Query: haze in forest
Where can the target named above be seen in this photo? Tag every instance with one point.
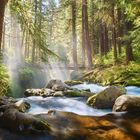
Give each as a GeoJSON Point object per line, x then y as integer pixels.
{"type": "Point", "coordinates": [43, 40]}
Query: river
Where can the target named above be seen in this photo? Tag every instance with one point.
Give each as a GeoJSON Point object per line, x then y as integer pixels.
{"type": "Point", "coordinates": [76, 105]}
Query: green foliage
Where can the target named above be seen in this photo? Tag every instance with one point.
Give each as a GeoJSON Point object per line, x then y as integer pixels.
{"type": "Point", "coordinates": [4, 80]}
{"type": "Point", "coordinates": [26, 74]}
{"type": "Point", "coordinates": [118, 75]}
{"type": "Point", "coordinates": [24, 13]}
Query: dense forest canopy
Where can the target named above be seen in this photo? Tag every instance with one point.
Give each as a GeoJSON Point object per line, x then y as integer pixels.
{"type": "Point", "coordinates": [79, 33]}
{"type": "Point", "coordinates": [87, 29]}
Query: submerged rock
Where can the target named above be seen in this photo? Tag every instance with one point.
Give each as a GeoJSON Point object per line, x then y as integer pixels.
{"type": "Point", "coordinates": [127, 103]}
{"type": "Point", "coordinates": [106, 98]}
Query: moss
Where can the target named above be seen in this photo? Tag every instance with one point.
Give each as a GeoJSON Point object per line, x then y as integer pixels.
{"type": "Point", "coordinates": [117, 75]}
{"type": "Point", "coordinates": [4, 80]}
{"type": "Point", "coordinates": [77, 93]}
{"type": "Point", "coordinates": [73, 82]}
{"type": "Point", "coordinates": [91, 100]}
{"type": "Point", "coordinates": [73, 93]}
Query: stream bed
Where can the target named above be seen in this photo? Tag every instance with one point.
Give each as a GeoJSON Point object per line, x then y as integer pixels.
{"type": "Point", "coordinates": [74, 104]}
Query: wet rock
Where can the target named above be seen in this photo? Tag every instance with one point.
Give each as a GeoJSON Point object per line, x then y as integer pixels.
{"type": "Point", "coordinates": [22, 106]}
{"type": "Point", "coordinates": [45, 92]}
{"type": "Point", "coordinates": [73, 82]}
{"type": "Point", "coordinates": [127, 103]}
{"type": "Point", "coordinates": [77, 93]}
{"type": "Point", "coordinates": [16, 121]}
{"type": "Point", "coordinates": [57, 88]}
{"type": "Point", "coordinates": [75, 75]}
{"type": "Point", "coordinates": [14, 118]}
{"type": "Point", "coordinates": [106, 98]}
{"type": "Point", "coordinates": [58, 94]}
{"type": "Point", "coordinates": [5, 100]}
{"type": "Point", "coordinates": [57, 85]}
{"type": "Point", "coordinates": [70, 126]}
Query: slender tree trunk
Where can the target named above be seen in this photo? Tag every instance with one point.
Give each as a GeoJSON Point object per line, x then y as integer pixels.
{"type": "Point", "coordinates": [114, 34]}
{"type": "Point", "coordinates": [3, 38]}
{"type": "Point", "coordinates": [40, 26]}
{"type": "Point", "coordinates": [129, 49]}
{"type": "Point", "coordinates": [34, 41]}
{"type": "Point", "coordinates": [87, 37]}
{"type": "Point", "coordinates": [2, 9]}
{"type": "Point", "coordinates": [92, 30]}
{"type": "Point", "coordinates": [106, 47]}
{"type": "Point", "coordinates": [74, 36]}
{"type": "Point", "coordinates": [120, 30]}
{"type": "Point", "coordinates": [101, 40]}
{"type": "Point", "coordinates": [83, 36]}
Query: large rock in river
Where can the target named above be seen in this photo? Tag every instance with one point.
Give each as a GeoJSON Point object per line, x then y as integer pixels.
{"type": "Point", "coordinates": [70, 126]}
{"type": "Point", "coordinates": [57, 85]}
{"type": "Point", "coordinates": [106, 98]}
{"type": "Point", "coordinates": [127, 103]}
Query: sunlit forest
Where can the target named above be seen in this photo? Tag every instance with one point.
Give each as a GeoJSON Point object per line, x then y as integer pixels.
{"type": "Point", "coordinates": [69, 69]}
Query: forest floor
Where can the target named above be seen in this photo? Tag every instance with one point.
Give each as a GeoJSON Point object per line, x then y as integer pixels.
{"type": "Point", "coordinates": [114, 75]}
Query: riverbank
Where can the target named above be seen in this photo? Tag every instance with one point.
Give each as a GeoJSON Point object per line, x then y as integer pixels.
{"type": "Point", "coordinates": [126, 75]}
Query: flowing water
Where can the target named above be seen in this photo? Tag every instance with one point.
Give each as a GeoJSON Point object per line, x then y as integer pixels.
{"type": "Point", "coordinates": [75, 105]}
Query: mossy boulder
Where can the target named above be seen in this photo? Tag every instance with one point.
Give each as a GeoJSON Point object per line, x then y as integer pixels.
{"type": "Point", "coordinates": [127, 103]}
{"type": "Point", "coordinates": [106, 98]}
{"type": "Point", "coordinates": [77, 93]}
{"type": "Point", "coordinates": [73, 82]}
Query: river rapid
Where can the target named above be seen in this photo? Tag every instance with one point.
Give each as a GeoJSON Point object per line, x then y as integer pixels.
{"type": "Point", "coordinates": [74, 104]}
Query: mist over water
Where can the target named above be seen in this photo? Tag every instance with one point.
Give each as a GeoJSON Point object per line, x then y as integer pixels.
{"type": "Point", "coordinates": [75, 105]}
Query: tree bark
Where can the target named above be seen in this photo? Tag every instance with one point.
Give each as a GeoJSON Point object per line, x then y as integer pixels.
{"type": "Point", "coordinates": [129, 49]}
{"type": "Point", "coordinates": [83, 36]}
{"type": "Point", "coordinates": [74, 36]}
{"type": "Point", "coordinates": [34, 40]}
{"type": "Point", "coordinates": [2, 9]}
{"type": "Point", "coordinates": [114, 33]}
{"type": "Point", "coordinates": [87, 37]}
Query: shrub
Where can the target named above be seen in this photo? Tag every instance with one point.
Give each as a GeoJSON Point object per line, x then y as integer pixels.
{"type": "Point", "coordinates": [4, 80]}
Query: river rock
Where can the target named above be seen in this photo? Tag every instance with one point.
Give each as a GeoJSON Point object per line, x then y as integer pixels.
{"type": "Point", "coordinates": [22, 106]}
{"type": "Point", "coordinates": [14, 118]}
{"type": "Point", "coordinates": [127, 103]}
{"type": "Point", "coordinates": [73, 82]}
{"type": "Point", "coordinates": [75, 75]}
{"type": "Point", "coordinates": [77, 93]}
{"type": "Point", "coordinates": [106, 98]}
{"type": "Point", "coordinates": [45, 92]}
{"type": "Point", "coordinates": [69, 126]}
{"type": "Point", "coordinates": [58, 94]}
{"type": "Point", "coordinates": [57, 85]}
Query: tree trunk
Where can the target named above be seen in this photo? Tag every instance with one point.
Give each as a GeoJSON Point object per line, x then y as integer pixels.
{"type": "Point", "coordinates": [114, 34]}
{"type": "Point", "coordinates": [74, 36]}
{"type": "Point", "coordinates": [129, 49]}
{"type": "Point", "coordinates": [2, 9]}
{"type": "Point", "coordinates": [34, 40]}
{"type": "Point", "coordinates": [87, 37]}
{"type": "Point", "coordinates": [120, 30]}
{"type": "Point", "coordinates": [83, 37]}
